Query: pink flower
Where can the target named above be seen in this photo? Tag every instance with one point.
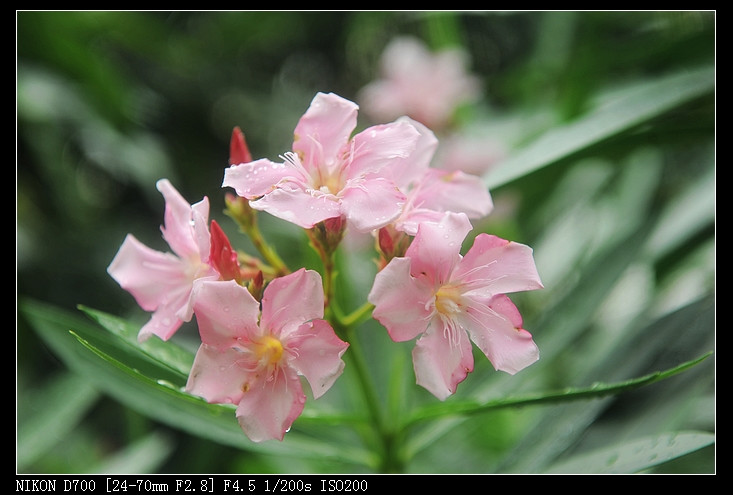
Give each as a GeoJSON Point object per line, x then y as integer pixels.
{"type": "Point", "coordinates": [254, 360]}
{"type": "Point", "coordinates": [446, 299]}
{"type": "Point", "coordinates": [329, 174]}
{"type": "Point", "coordinates": [161, 282]}
{"type": "Point", "coordinates": [431, 192]}
{"type": "Point", "coordinates": [423, 85]}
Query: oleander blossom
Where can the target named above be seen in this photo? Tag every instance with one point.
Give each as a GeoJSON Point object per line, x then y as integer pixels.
{"type": "Point", "coordinates": [161, 282]}
{"type": "Point", "coordinates": [431, 192]}
{"type": "Point", "coordinates": [449, 300]}
{"type": "Point", "coordinates": [329, 174]}
{"type": "Point", "coordinates": [427, 86]}
{"type": "Point", "coordinates": [253, 359]}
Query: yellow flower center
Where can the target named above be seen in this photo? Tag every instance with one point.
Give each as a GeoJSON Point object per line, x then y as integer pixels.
{"type": "Point", "coordinates": [269, 350]}
{"type": "Point", "coordinates": [448, 300]}
{"type": "Point", "coordinates": [332, 184]}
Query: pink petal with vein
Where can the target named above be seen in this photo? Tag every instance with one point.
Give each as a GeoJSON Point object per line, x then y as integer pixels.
{"type": "Point", "coordinates": [268, 408]}
{"type": "Point", "coordinates": [323, 131]}
{"type": "Point", "coordinates": [440, 365]}
{"type": "Point", "coordinates": [225, 312]}
{"type": "Point", "coordinates": [402, 303]}
{"type": "Point", "coordinates": [319, 355]}
{"type": "Point", "coordinates": [500, 336]}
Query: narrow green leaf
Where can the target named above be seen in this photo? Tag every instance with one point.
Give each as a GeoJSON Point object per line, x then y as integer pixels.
{"type": "Point", "coordinates": [167, 353]}
{"type": "Point", "coordinates": [624, 111]}
{"type": "Point", "coordinates": [54, 324]}
{"type": "Point", "coordinates": [680, 333]}
{"type": "Point", "coordinates": [62, 403]}
{"type": "Point", "coordinates": [636, 456]}
{"type": "Point", "coordinates": [596, 390]}
{"type": "Point", "coordinates": [693, 209]}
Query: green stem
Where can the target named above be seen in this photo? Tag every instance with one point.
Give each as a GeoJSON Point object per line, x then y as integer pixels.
{"type": "Point", "coordinates": [267, 251]}
{"type": "Point", "coordinates": [240, 211]}
{"type": "Point", "coordinates": [329, 275]}
{"type": "Point", "coordinates": [325, 238]}
{"type": "Point", "coordinates": [389, 444]}
{"type": "Point", "coordinates": [358, 316]}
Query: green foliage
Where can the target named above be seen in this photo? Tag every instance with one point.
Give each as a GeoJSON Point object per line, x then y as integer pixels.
{"type": "Point", "coordinates": [608, 119]}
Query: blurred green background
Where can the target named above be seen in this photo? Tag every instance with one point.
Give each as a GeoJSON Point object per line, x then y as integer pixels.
{"type": "Point", "coordinates": [108, 102]}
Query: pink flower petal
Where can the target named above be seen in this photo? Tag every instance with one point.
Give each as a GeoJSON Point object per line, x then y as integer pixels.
{"type": "Point", "coordinates": [268, 408]}
{"type": "Point", "coordinates": [185, 230]}
{"type": "Point", "coordinates": [441, 190]}
{"type": "Point", "coordinates": [435, 251]}
{"type": "Point", "coordinates": [319, 353]}
{"type": "Point", "coordinates": [381, 146]}
{"type": "Point", "coordinates": [371, 203]}
{"type": "Point", "coordinates": [147, 274]}
{"type": "Point", "coordinates": [442, 362]}
{"type": "Point", "coordinates": [225, 312]}
{"type": "Point", "coordinates": [291, 300]}
{"type": "Point", "coordinates": [164, 322]}
{"type": "Point", "coordinates": [498, 333]}
{"type": "Point", "coordinates": [216, 375]}
{"type": "Point", "coordinates": [412, 218]}
{"type": "Point", "coordinates": [497, 266]}
{"type": "Point", "coordinates": [324, 130]}
{"type": "Point", "coordinates": [159, 282]}
{"type": "Point", "coordinates": [401, 301]}
{"type": "Point", "coordinates": [411, 169]}
{"type": "Point", "coordinates": [254, 179]}
{"type": "Point", "coordinates": [301, 207]}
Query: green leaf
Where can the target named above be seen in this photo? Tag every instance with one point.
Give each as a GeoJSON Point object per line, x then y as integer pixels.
{"type": "Point", "coordinates": [61, 405]}
{"type": "Point", "coordinates": [636, 456]}
{"type": "Point", "coordinates": [620, 112]}
{"type": "Point", "coordinates": [165, 352]}
{"type": "Point", "coordinates": [675, 334]}
{"type": "Point", "coordinates": [594, 391]}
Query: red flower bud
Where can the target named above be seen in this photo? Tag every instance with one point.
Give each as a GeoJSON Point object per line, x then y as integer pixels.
{"type": "Point", "coordinates": [238, 150]}
{"type": "Point", "coordinates": [222, 256]}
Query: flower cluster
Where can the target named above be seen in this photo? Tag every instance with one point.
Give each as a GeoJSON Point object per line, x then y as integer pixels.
{"type": "Point", "coordinates": [263, 326]}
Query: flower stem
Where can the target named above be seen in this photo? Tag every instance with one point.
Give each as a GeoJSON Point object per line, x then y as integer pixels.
{"type": "Point", "coordinates": [389, 442]}
{"type": "Point", "coordinates": [239, 210]}
{"type": "Point", "coordinates": [358, 316]}
{"type": "Point", "coordinates": [325, 238]}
